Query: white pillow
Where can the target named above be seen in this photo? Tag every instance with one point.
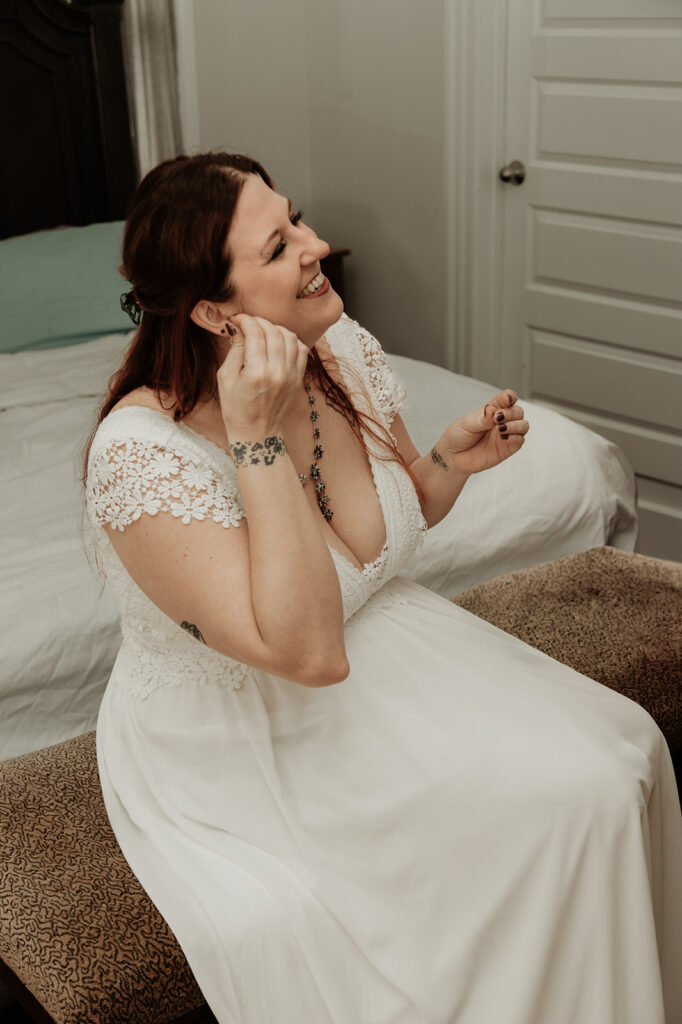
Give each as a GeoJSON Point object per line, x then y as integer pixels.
{"type": "Point", "coordinates": [567, 489]}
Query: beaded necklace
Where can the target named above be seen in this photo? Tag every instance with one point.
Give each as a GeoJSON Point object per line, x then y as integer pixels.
{"type": "Point", "coordinates": [318, 452]}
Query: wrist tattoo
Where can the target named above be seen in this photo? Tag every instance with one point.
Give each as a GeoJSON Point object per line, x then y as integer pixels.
{"type": "Point", "coordinates": [438, 459]}
{"type": "Point", "coordinates": [193, 631]}
{"type": "Point", "coordinates": [255, 453]}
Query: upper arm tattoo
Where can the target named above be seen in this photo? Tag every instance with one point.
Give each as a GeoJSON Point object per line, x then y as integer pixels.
{"type": "Point", "coordinates": [193, 631]}
{"type": "Point", "coordinates": [438, 459]}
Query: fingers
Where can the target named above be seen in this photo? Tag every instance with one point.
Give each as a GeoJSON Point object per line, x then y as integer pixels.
{"type": "Point", "coordinates": [261, 372]}
{"type": "Point", "coordinates": [507, 419]}
{"type": "Point", "coordinates": [506, 398]}
{"type": "Point", "coordinates": [508, 415]}
{"type": "Point", "coordinates": [515, 429]}
{"type": "Point", "coordinates": [511, 434]}
{"type": "Point", "coordinates": [234, 361]}
{"type": "Point", "coordinates": [502, 403]}
{"type": "Point", "coordinates": [266, 342]}
{"type": "Point", "coordinates": [251, 335]}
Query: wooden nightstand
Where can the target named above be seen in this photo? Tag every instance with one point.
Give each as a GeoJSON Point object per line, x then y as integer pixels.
{"type": "Point", "coordinates": [332, 267]}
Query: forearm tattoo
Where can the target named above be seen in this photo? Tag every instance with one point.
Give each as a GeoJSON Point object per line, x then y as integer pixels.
{"type": "Point", "coordinates": [438, 459]}
{"type": "Point", "coordinates": [256, 453]}
{"type": "Point", "coordinates": [193, 631]}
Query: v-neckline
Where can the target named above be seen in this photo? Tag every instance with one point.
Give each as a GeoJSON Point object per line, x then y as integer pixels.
{"type": "Point", "coordinates": [202, 440]}
{"type": "Point", "coordinates": [373, 468]}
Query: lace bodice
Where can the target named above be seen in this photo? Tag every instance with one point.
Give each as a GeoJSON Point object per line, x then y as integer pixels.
{"type": "Point", "coordinates": [142, 463]}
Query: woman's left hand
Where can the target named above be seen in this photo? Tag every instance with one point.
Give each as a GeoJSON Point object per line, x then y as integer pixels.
{"type": "Point", "coordinates": [485, 438]}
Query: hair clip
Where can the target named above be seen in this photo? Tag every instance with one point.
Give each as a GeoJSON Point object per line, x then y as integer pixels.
{"type": "Point", "coordinates": [131, 306]}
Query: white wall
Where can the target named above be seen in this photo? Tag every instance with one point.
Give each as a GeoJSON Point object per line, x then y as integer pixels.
{"type": "Point", "coordinates": [253, 85]}
{"type": "Point", "coordinates": [342, 100]}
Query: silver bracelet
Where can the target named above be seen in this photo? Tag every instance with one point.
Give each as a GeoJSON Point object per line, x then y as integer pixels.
{"type": "Point", "coordinates": [256, 453]}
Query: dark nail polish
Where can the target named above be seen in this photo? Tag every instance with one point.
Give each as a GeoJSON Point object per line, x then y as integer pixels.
{"type": "Point", "coordinates": [502, 428]}
{"type": "Point", "coordinates": [504, 437]}
{"type": "Point", "coordinates": [499, 416]}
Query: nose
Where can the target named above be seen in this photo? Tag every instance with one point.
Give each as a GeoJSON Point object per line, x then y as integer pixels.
{"type": "Point", "coordinates": [314, 248]}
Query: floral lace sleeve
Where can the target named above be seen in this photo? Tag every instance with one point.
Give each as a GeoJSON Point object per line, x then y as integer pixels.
{"type": "Point", "coordinates": [388, 394]}
{"type": "Point", "coordinates": [127, 478]}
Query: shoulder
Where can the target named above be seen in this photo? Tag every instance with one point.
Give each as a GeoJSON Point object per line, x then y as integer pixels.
{"type": "Point", "coordinates": [145, 398]}
{"type": "Point", "coordinates": [136, 424]}
{"type": "Point", "coordinates": [354, 343]}
{"type": "Point", "coordinates": [142, 461]}
{"type": "Point", "coordinates": [348, 334]}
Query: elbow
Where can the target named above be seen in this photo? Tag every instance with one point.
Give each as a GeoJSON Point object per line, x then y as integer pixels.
{"type": "Point", "coordinates": [339, 671]}
{"type": "Point", "coordinates": [324, 671]}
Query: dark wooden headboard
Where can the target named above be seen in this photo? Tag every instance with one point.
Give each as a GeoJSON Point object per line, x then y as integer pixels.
{"type": "Point", "coordinates": [67, 154]}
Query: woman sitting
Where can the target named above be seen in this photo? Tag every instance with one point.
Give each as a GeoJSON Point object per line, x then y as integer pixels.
{"type": "Point", "coordinates": [352, 801]}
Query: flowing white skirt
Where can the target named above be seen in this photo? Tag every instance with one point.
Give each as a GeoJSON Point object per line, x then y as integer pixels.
{"type": "Point", "coordinates": [464, 831]}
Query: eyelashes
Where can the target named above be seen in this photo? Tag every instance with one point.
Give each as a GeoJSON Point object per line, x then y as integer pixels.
{"type": "Point", "coordinates": [279, 249]}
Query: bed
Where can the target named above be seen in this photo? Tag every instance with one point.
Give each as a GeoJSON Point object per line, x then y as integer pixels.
{"type": "Point", "coordinates": [568, 489]}
{"type": "Point", "coordinates": [63, 334]}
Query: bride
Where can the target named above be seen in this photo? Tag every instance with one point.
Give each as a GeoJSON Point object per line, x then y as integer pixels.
{"type": "Point", "coordinates": [352, 801]}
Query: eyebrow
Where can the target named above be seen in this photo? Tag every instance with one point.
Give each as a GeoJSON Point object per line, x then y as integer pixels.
{"type": "Point", "coordinates": [276, 232]}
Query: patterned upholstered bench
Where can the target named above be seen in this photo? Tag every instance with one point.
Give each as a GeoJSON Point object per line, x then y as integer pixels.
{"type": "Point", "coordinates": [76, 928]}
{"type": "Point", "coordinates": [79, 939]}
{"type": "Point", "coordinates": [614, 616]}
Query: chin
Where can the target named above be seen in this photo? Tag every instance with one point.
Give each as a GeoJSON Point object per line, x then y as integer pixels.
{"type": "Point", "coordinates": [312, 335]}
{"type": "Point", "coordinates": [336, 308]}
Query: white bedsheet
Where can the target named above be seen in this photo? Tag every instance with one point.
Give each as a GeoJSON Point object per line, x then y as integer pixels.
{"type": "Point", "coordinates": [566, 491]}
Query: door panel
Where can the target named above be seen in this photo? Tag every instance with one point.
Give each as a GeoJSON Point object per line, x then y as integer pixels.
{"type": "Point", "coordinates": [660, 517]}
{"type": "Point", "coordinates": [611, 9]}
{"type": "Point", "coordinates": [644, 122]}
{"type": "Point", "coordinates": [606, 318]}
{"type": "Point", "coordinates": [606, 378]}
{"type": "Point", "coordinates": [640, 196]}
{"type": "Point", "coordinates": [643, 261]}
{"type": "Point", "coordinates": [619, 56]}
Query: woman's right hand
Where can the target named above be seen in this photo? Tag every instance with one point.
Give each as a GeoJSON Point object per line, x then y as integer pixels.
{"type": "Point", "coordinates": [259, 377]}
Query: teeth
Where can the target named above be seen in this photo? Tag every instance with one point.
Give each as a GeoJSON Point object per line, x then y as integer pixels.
{"type": "Point", "coordinates": [314, 286]}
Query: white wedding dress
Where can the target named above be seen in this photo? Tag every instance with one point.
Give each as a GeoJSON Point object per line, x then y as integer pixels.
{"type": "Point", "coordinates": [463, 831]}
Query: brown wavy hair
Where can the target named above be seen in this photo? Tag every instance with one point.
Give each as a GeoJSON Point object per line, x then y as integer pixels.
{"type": "Point", "coordinates": [174, 255]}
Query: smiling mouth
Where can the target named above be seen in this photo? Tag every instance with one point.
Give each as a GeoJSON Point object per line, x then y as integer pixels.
{"type": "Point", "coordinates": [313, 286]}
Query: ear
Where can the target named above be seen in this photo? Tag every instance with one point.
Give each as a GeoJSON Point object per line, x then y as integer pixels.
{"type": "Point", "coordinates": [211, 316]}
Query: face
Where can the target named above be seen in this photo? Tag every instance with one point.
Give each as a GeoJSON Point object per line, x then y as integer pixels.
{"type": "Point", "coordinates": [275, 257]}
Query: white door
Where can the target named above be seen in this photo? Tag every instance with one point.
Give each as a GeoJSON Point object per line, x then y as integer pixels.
{"type": "Point", "coordinates": [591, 248]}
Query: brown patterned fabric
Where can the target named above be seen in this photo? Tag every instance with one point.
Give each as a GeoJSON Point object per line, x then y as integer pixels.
{"type": "Point", "coordinates": [612, 615]}
{"type": "Point", "coordinates": [77, 928]}
{"type": "Point", "coordinates": [75, 925]}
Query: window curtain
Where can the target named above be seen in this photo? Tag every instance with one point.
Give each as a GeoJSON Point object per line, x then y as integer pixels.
{"type": "Point", "coordinates": [152, 80]}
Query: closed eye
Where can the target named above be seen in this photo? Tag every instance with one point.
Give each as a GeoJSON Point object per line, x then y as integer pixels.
{"type": "Point", "coordinates": [279, 249]}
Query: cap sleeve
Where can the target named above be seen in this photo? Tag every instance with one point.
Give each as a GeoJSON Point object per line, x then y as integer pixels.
{"type": "Point", "coordinates": [129, 477]}
{"type": "Point", "coordinates": [387, 393]}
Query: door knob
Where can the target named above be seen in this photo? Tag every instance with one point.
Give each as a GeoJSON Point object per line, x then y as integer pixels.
{"type": "Point", "coordinates": [514, 173]}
